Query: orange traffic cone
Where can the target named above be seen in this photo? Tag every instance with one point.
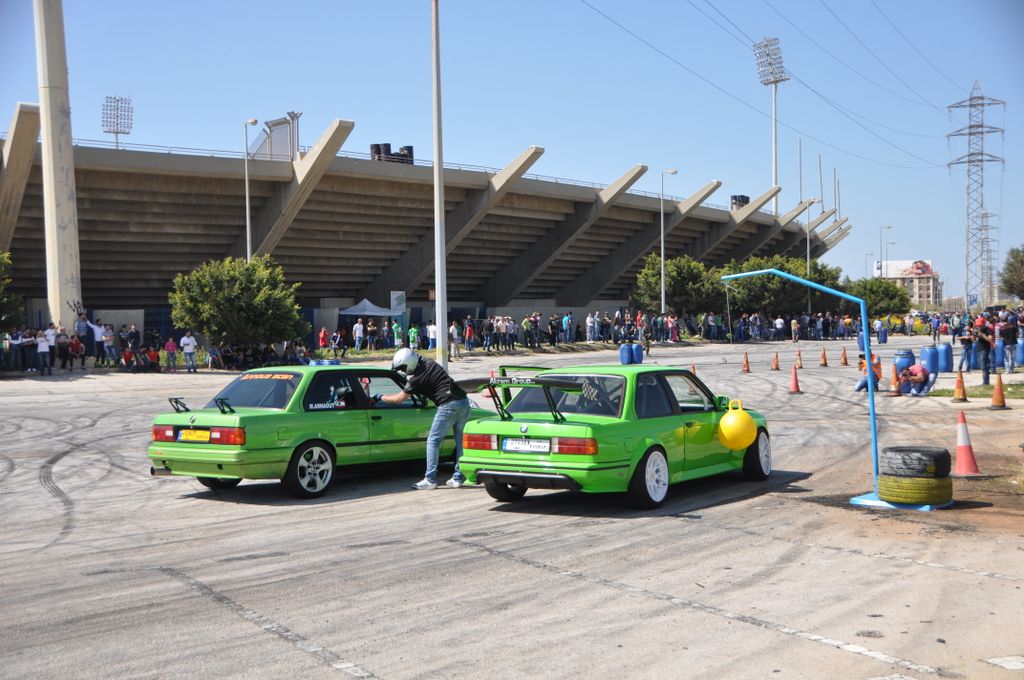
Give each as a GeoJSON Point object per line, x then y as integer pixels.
{"type": "Point", "coordinates": [794, 383]}
{"type": "Point", "coordinates": [959, 393]}
{"type": "Point", "coordinates": [894, 384]}
{"type": "Point", "coordinates": [998, 400]}
{"type": "Point", "coordinates": [799, 360]}
{"type": "Point", "coordinates": [746, 363]}
{"type": "Point", "coordinates": [775, 362]}
{"type": "Point", "coordinates": [843, 361]}
{"type": "Point", "coordinates": [824, 359]}
{"type": "Point", "coordinates": [693, 369]}
{"type": "Point", "coordinates": [966, 466]}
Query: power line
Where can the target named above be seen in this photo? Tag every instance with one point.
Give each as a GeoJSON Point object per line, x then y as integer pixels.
{"type": "Point", "coordinates": [913, 47]}
{"type": "Point", "coordinates": [746, 104]}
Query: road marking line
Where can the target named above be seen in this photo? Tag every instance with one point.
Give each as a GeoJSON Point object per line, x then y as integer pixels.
{"type": "Point", "coordinates": [700, 606]}
{"type": "Point", "coordinates": [1010, 663]}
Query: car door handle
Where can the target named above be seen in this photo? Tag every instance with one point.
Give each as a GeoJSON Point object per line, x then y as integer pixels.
{"type": "Point", "coordinates": [376, 417]}
{"type": "Point", "coordinates": [689, 423]}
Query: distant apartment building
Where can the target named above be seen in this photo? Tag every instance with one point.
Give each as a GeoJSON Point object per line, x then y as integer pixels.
{"type": "Point", "coordinates": [917, 277]}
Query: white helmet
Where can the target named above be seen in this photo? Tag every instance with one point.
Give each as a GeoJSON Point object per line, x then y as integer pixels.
{"type": "Point", "coordinates": [405, 361]}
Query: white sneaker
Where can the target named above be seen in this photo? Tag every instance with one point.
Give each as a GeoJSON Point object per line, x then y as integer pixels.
{"type": "Point", "coordinates": [424, 485]}
{"type": "Point", "coordinates": [454, 483]}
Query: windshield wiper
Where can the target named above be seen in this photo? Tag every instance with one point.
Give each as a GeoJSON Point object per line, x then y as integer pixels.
{"type": "Point", "coordinates": [178, 403]}
{"type": "Point", "coordinates": [223, 405]}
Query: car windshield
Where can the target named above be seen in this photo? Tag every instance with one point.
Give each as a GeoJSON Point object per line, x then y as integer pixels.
{"type": "Point", "coordinates": [259, 390]}
{"type": "Point", "coordinates": [601, 395]}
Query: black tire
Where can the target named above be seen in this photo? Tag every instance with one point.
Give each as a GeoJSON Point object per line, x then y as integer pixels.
{"type": "Point", "coordinates": [915, 490]}
{"type": "Point", "coordinates": [310, 471]}
{"type": "Point", "coordinates": [218, 482]}
{"type": "Point", "coordinates": [505, 493]}
{"type": "Point", "coordinates": [914, 461]}
{"type": "Point", "coordinates": [757, 461]}
{"type": "Point", "coordinates": [648, 487]}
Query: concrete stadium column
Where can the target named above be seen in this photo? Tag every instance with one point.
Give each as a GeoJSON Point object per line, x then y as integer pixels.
{"type": "Point", "coordinates": [792, 238]}
{"type": "Point", "coordinates": [60, 211]}
{"type": "Point", "coordinates": [714, 237]}
{"type": "Point", "coordinates": [759, 240]}
{"type": "Point", "coordinates": [827, 245]}
{"type": "Point", "coordinates": [19, 152]}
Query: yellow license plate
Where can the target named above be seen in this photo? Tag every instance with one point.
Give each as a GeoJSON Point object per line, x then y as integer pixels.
{"type": "Point", "coordinates": [194, 436]}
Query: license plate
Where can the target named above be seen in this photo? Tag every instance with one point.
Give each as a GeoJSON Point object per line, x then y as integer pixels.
{"type": "Point", "coordinates": [194, 436]}
{"type": "Point", "coordinates": [526, 445]}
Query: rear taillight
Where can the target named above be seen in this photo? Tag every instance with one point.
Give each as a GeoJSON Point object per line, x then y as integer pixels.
{"type": "Point", "coordinates": [584, 446]}
{"type": "Point", "coordinates": [484, 442]}
{"type": "Point", "coordinates": [227, 435]}
{"type": "Point", "coordinates": [163, 433]}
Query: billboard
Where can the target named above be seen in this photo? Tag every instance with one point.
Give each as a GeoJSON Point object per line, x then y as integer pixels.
{"type": "Point", "coordinates": [901, 268]}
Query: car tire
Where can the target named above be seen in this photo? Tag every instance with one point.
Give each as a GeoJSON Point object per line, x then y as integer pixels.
{"type": "Point", "coordinates": [757, 461]}
{"type": "Point", "coordinates": [914, 461]}
{"type": "Point", "coordinates": [648, 487]}
{"type": "Point", "coordinates": [218, 482]}
{"type": "Point", "coordinates": [310, 471]}
{"type": "Point", "coordinates": [915, 490]}
{"type": "Point", "coordinates": [505, 493]}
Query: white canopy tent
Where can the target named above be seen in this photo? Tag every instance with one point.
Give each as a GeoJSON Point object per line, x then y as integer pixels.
{"type": "Point", "coordinates": [366, 308]}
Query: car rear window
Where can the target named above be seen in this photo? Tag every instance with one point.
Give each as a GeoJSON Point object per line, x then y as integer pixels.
{"type": "Point", "coordinates": [601, 395]}
{"type": "Point", "coordinates": [259, 390]}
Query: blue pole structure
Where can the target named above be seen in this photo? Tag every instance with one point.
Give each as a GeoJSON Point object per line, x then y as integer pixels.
{"type": "Point", "coordinates": [867, 499]}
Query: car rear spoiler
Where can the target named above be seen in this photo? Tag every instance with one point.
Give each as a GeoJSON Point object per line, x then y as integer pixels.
{"type": "Point", "coordinates": [547, 384]}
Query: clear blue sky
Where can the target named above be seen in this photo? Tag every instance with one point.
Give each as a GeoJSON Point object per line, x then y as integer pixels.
{"type": "Point", "coordinates": [560, 75]}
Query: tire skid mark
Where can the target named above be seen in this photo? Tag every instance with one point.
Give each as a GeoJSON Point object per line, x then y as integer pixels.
{"type": "Point", "coordinates": [46, 480]}
{"type": "Point", "coordinates": [7, 469]}
{"type": "Point", "coordinates": [297, 640]}
{"type": "Point", "coordinates": [695, 605]}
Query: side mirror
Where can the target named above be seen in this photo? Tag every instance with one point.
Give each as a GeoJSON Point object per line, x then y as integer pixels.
{"type": "Point", "coordinates": [721, 402]}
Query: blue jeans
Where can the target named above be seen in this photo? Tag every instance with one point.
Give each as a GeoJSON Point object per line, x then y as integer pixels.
{"type": "Point", "coordinates": [111, 353]}
{"type": "Point", "coordinates": [965, 358]}
{"type": "Point", "coordinates": [862, 384]}
{"type": "Point", "coordinates": [920, 391]}
{"type": "Point", "coordinates": [190, 361]}
{"type": "Point", "coordinates": [1010, 355]}
{"type": "Point", "coordinates": [450, 416]}
{"type": "Point", "coordinates": [359, 342]}
{"type": "Point", "coordinates": [432, 343]}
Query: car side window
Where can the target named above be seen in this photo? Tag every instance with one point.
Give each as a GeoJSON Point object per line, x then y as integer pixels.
{"type": "Point", "coordinates": [651, 399]}
{"type": "Point", "coordinates": [329, 391]}
{"type": "Point", "coordinates": [383, 384]}
{"type": "Point", "coordinates": [687, 394]}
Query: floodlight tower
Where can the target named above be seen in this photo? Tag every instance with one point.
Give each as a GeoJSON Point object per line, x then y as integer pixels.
{"type": "Point", "coordinates": [980, 266]}
{"type": "Point", "coordinates": [118, 115]}
{"type": "Point", "coordinates": [772, 72]}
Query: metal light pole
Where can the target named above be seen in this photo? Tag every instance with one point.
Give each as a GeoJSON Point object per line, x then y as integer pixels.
{"type": "Point", "coordinates": [881, 249]}
{"type": "Point", "coordinates": [662, 205]}
{"type": "Point", "coordinates": [440, 277]}
{"type": "Point", "coordinates": [886, 260]}
{"type": "Point", "coordinates": [248, 212]}
{"type": "Point", "coordinates": [807, 239]}
{"type": "Point", "coordinates": [771, 71]}
{"type": "Point", "coordinates": [866, 256]}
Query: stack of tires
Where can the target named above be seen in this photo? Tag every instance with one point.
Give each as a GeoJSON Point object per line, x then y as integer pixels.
{"type": "Point", "coordinates": [915, 475]}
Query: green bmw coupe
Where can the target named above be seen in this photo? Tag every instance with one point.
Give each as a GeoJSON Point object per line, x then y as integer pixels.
{"type": "Point", "coordinates": [296, 424]}
{"type": "Point", "coordinates": [634, 429]}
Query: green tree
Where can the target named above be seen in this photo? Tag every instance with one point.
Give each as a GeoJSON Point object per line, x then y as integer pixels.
{"type": "Point", "coordinates": [233, 300]}
{"type": "Point", "coordinates": [881, 295]}
{"type": "Point", "coordinates": [11, 309]}
{"type": "Point", "coordinates": [689, 287]}
{"type": "Point", "coordinates": [774, 294]}
{"type": "Point", "coordinates": [1011, 279]}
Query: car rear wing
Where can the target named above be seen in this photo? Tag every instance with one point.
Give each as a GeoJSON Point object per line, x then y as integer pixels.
{"type": "Point", "coordinates": [545, 383]}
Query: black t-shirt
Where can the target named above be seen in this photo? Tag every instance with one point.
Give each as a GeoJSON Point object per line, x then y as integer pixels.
{"type": "Point", "coordinates": [1009, 335]}
{"type": "Point", "coordinates": [433, 382]}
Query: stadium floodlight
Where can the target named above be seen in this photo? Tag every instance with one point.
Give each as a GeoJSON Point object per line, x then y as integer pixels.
{"type": "Point", "coordinates": [118, 117]}
{"type": "Point", "coordinates": [771, 71]}
{"type": "Point", "coordinates": [248, 209]}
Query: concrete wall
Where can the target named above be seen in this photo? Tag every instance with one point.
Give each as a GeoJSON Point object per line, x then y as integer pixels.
{"type": "Point", "coordinates": [116, 317]}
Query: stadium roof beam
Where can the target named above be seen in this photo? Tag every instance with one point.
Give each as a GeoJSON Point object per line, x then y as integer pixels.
{"type": "Point", "coordinates": [826, 232]}
{"type": "Point", "coordinates": [513, 279]}
{"type": "Point", "coordinates": [828, 244]}
{"type": "Point", "coordinates": [703, 246]}
{"type": "Point", "coordinates": [592, 283]}
{"type": "Point", "coordinates": [19, 153]}
{"type": "Point", "coordinates": [416, 264]}
{"type": "Point", "coordinates": [273, 220]}
{"type": "Point", "coordinates": [758, 241]}
{"type": "Point", "coordinates": [791, 239]}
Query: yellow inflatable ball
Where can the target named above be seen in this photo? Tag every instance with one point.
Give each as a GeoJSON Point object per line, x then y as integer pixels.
{"type": "Point", "coordinates": [737, 430]}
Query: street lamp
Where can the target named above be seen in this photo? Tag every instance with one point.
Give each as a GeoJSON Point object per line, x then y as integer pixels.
{"type": "Point", "coordinates": [248, 212]}
{"type": "Point", "coordinates": [807, 238]}
{"type": "Point", "coordinates": [887, 244]}
{"type": "Point", "coordinates": [771, 71]}
{"type": "Point", "coordinates": [866, 256]}
{"type": "Point", "coordinates": [671, 171]}
{"type": "Point", "coordinates": [881, 249]}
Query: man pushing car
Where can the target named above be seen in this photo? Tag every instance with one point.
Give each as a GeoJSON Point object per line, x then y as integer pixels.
{"type": "Point", "coordinates": [427, 378]}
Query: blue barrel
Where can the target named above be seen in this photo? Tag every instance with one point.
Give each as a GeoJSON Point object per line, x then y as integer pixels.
{"type": "Point", "coordinates": [945, 358]}
{"type": "Point", "coordinates": [883, 336]}
{"type": "Point", "coordinates": [1019, 359]}
{"type": "Point", "coordinates": [904, 358]}
{"type": "Point", "coordinates": [860, 341]}
{"type": "Point", "coordinates": [930, 358]}
{"type": "Point", "coordinates": [625, 354]}
{"type": "Point", "coordinates": [638, 353]}
{"type": "Point", "coordinates": [997, 355]}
